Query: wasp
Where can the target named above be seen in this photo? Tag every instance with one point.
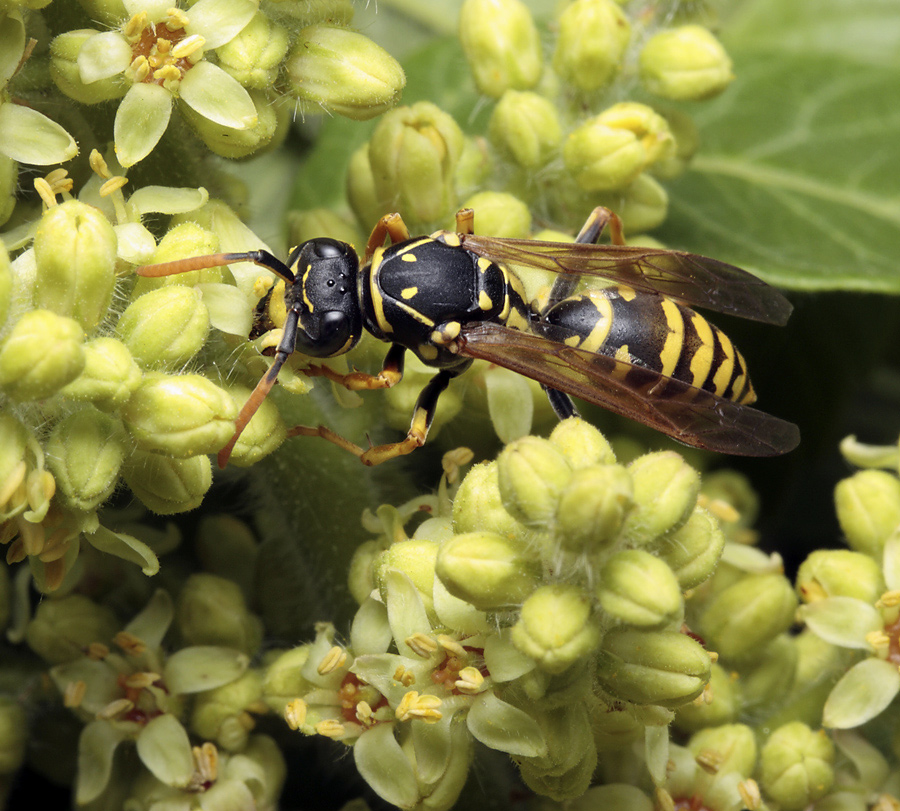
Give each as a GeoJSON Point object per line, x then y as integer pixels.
{"type": "Point", "coordinates": [634, 346]}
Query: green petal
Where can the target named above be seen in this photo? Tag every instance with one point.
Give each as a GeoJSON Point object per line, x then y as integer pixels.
{"type": "Point", "coordinates": [164, 748]}
{"type": "Point", "coordinates": [219, 21]}
{"type": "Point", "coordinates": [102, 56]}
{"type": "Point", "coordinates": [155, 9]}
{"type": "Point", "coordinates": [126, 547]}
{"type": "Point", "coordinates": [863, 692]}
{"type": "Point", "coordinates": [384, 766]}
{"type": "Point", "coordinates": [227, 308]}
{"type": "Point", "coordinates": [151, 624]}
{"type": "Point", "coordinates": [656, 752]}
{"type": "Point", "coordinates": [406, 611]}
{"type": "Point", "coordinates": [28, 136]}
{"type": "Point", "coordinates": [504, 660]}
{"type": "Point", "coordinates": [843, 621]}
{"type": "Point", "coordinates": [370, 632]}
{"type": "Point", "coordinates": [215, 95]}
{"type": "Point", "coordinates": [510, 403]}
{"type": "Point", "coordinates": [141, 120]}
{"type": "Point", "coordinates": [455, 613]}
{"type": "Point", "coordinates": [12, 46]}
{"type": "Point", "coordinates": [501, 726]}
{"type": "Point", "coordinates": [227, 795]}
{"type": "Point", "coordinates": [96, 748]}
{"type": "Point", "coordinates": [432, 745]}
{"type": "Point", "coordinates": [99, 678]}
{"type": "Point", "coordinates": [203, 667]}
{"type": "Point", "coordinates": [168, 199]}
{"type": "Point", "coordinates": [134, 243]}
{"type": "Point", "coordinates": [891, 565]}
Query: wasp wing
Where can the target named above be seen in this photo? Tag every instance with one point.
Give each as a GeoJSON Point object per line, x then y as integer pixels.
{"type": "Point", "coordinates": [692, 279]}
{"type": "Point", "coordinates": [690, 415]}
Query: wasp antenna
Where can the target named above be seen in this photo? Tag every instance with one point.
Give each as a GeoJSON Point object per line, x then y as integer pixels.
{"type": "Point", "coordinates": [215, 260]}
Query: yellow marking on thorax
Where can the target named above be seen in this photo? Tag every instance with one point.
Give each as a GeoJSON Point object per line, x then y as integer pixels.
{"type": "Point", "coordinates": [726, 367]}
{"type": "Point", "coordinates": [375, 292]}
{"type": "Point", "coordinates": [483, 264]}
{"type": "Point", "coordinates": [674, 343]}
{"type": "Point", "coordinates": [428, 352]}
{"type": "Point", "coordinates": [701, 362]}
{"type": "Point", "coordinates": [409, 257]}
{"type": "Point", "coordinates": [484, 301]}
{"type": "Point", "coordinates": [409, 292]}
{"type": "Point", "coordinates": [626, 293]}
{"type": "Point", "coordinates": [451, 238]}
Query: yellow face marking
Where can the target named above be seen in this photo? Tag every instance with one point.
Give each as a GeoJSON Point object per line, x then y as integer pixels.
{"type": "Point", "coordinates": [674, 342]}
{"type": "Point", "coordinates": [409, 257]}
{"type": "Point", "coordinates": [375, 292]}
{"type": "Point", "coordinates": [726, 367]}
{"type": "Point", "coordinates": [303, 279]}
{"type": "Point", "coordinates": [702, 360]}
{"type": "Point", "coordinates": [484, 301]}
{"type": "Point", "coordinates": [408, 292]}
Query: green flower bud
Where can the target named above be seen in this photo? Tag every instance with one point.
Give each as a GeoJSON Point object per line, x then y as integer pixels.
{"type": "Point", "coordinates": [593, 36]}
{"type": "Point", "coordinates": [489, 571]}
{"type": "Point", "coordinates": [478, 506]}
{"type": "Point", "coordinates": [733, 489]}
{"type": "Point", "coordinates": [555, 627]}
{"type": "Point", "coordinates": [165, 328]}
{"type": "Point", "coordinates": [110, 375]}
{"type": "Point", "coordinates": [9, 180]}
{"type": "Point", "coordinates": [745, 616]}
{"type": "Point", "coordinates": [13, 735]}
{"type": "Point", "coordinates": [474, 167]}
{"type": "Point", "coordinates": [6, 279]}
{"type": "Point", "coordinates": [643, 205]}
{"type": "Point", "coordinates": [693, 550]}
{"type": "Point", "coordinates": [582, 444]}
{"type": "Point", "coordinates": [637, 588]}
{"type": "Point", "coordinates": [413, 154]}
{"type": "Point", "coordinates": [501, 44]}
{"type": "Point", "coordinates": [650, 128]}
{"type": "Point", "coordinates": [592, 508]}
{"type": "Point", "coordinates": [416, 559]}
{"type": "Point", "coordinates": [687, 142]}
{"type": "Point", "coordinates": [220, 715]}
{"type": "Point", "coordinates": [531, 475]}
{"type": "Point", "coordinates": [868, 509]}
{"type": "Point", "coordinates": [665, 494]}
{"type": "Point", "coordinates": [719, 704]}
{"type": "Point", "coordinates": [165, 485]}
{"type": "Point", "coordinates": [652, 667]}
{"type": "Point", "coordinates": [500, 214]}
{"type": "Point", "coordinates": [525, 127]}
{"type": "Point", "coordinates": [62, 628]}
{"type": "Point", "coordinates": [41, 354]}
{"type": "Point", "coordinates": [796, 766]}
{"type": "Point", "coordinates": [264, 433]}
{"type": "Point", "coordinates": [361, 193]}
{"type": "Point", "coordinates": [75, 253]}
{"type": "Point", "coordinates": [254, 55]}
{"type": "Point", "coordinates": [211, 611]}
{"type": "Point", "coordinates": [85, 452]}
{"type": "Point", "coordinates": [733, 747]}
{"type": "Point", "coordinates": [771, 680]}
{"type": "Point", "coordinates": [229, 142]}
{"type": "Point", "coordinates": [283, 679]}
{"type": "Point", "coordinates": [685, 64]}
{"type": "Point", "coordinates": [344, 72]}
{"type": "Point", "coordinates": [181, 415]}
{"type": "Point", "coordinates": [603, 158]}
{"type": "Point", "coordinates": [64, 70]}
{"type": "Point", "coordinates": [839, 573]}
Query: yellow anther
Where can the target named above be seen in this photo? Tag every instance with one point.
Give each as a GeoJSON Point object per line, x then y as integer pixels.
{"type": "Point", "coordinates": [45, 190]}
{"type": "Point", "coordinates": [365, 714]}
{"type": "Point", "coordinates": [709, 760]}
{"type": "Point", "coordinates": [98, 164]}
{"type": "Point", "coordinates": [333, 660]}
{"type": "Point", "coordinates": [167, 73]}
{"type": "Point", "coordinates": [413, 706]}
{"type": "Point", "coordinates": [406, 677]}
{"type": "Point", "coordinates": [114, 708]}
{"type": "Point", "coordinates": [139, 69]}
{"type": "Point", "coordinates": [175, 19]}
{"type": "Point", "coordinates": [97, 651]}
{"type": "Point", "coordinates": [330, 729]}
{"type": "Point", "coordinates": [188, 46]}
{"type": "Point", "coordinates": [449, 644]}
{"type": "Point", "coordinates": [135, 26]}
{"type": "Point", "coordinates": [879, 641]}
{"type": "Point", "coordinates": [453, 460]}
{"type": "Point", "coordinates": [131, 644]}
{"type": "Point", "coordinates": [74, 693]}
{"type": "Point", "coordinates": [295, 713]}
{"type": "Point", "coordinates": [890, 599]}
{"type": "Point", "coordinates": [32, 537]}
{"type": "Point", "coordinates": [113, 185]}
{"type": "Point", "coordinates": [40, 487]}
{"type": "Point", "coordinates": [206, 761]}
{"type": "Point", "coordinates": [141, 680]}
{"type": "Point", "coordinates": [422, 644]}
{"type": "Point", "coordinates": [470, 681]}
{"type": "Point", "coordinates": [163, 45]}
{"type": "Point", "coordinates": [750, 794]}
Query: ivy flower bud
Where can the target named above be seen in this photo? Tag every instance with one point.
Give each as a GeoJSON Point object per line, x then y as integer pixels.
{"type": "Point", "coordinates": [868, 509]}
{"type": "Point", "coordinates": [181, 415]}
{"type": "Point", "coordinates": [413, 154]}
{"type": "Point", "coordinates": [416, 559]}
{"type": "Point", "coordinates": [9, 181]}
{"type": "Point", "coordinates": [264, 433]}
{"type": "Point", "coordinates": [685, 64]}
{"type": "Point", "coordinates": [665, 493]}
{"type": "Point", "coordinates": [603, 158]}
{"type": "Point", "coordinates": [344, 72]}
{"type": "Point", "coordinates": [531, 474]}
{"type": "Point", "coordinates": [233, 142]}
{"type": "Point", "coordinates": [592, 508]}
{"type": "Point", "coordinates": [745, 616]}
{"type": "Point", "coordinates": [63, 628]}
{"type": "Point", "coordinates": [734, 746]}
{"type": "Point", "coordinates": [796, 766]}
{"type": "Point", "coordinates": [165, 328]}
{"type": "Point", "coordinates": [181, 241]}
{"type": "Point", "coordinates": [501, 44]}
{"type": "Point", "coordinates": [839, 573]}
{"type": "Point", "coordinates": [14, 441]}
{"type": "Point", "coordinates": [41, 354]}
{"type": "Point", "coordinates": [478, 505]}
{"type": "Point", "coordinates": [254, 55]}
{"type": "Point", "coordinates": [75, 254]}
{"type": "Point", "coordinates": [489, 571]}
{"type": "Point", "coordinates": [85, 452]}
{"type": "Point", "coordinates": [637, 588]}
{"type": "Point", "coordinates": [652, 667]}
{"type": "Point", "coordinates": [693, 550]}
{"type": "Point", "coordinates": [555, 627]}
{"type": "Point", "coordinates": [361, 193]}
{"type": "Point", "coordinates": [65, 72]}
{"type": "Point", "coordinates": [109, 377]}
{"type": "Point", "coordinates": [525, 127]}
{"type": "Point", "coordinates": [500, 214]}
{"type": "Point", "coordinates": [211, 611]}
{"type": "Point", "coordinates": [165, 485]}
{"type": "Point", "coordinates": [593, 36]}
{"type": "Point", "coordinates": [644, 204]}
{"type": "Point", "coordinates": [582, 444]}
{"type": "Point", "coordinates": [651, 129]}
{"type": "Point", "coordinates": [220, 715]}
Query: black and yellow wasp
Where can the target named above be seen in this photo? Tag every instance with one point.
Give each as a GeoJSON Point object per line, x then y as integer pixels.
{"type": "Point", "coordinates": [632, 347]}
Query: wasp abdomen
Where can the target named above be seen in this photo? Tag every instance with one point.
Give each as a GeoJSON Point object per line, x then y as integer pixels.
{"type": "Point", "coordinates": [654, 332]}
